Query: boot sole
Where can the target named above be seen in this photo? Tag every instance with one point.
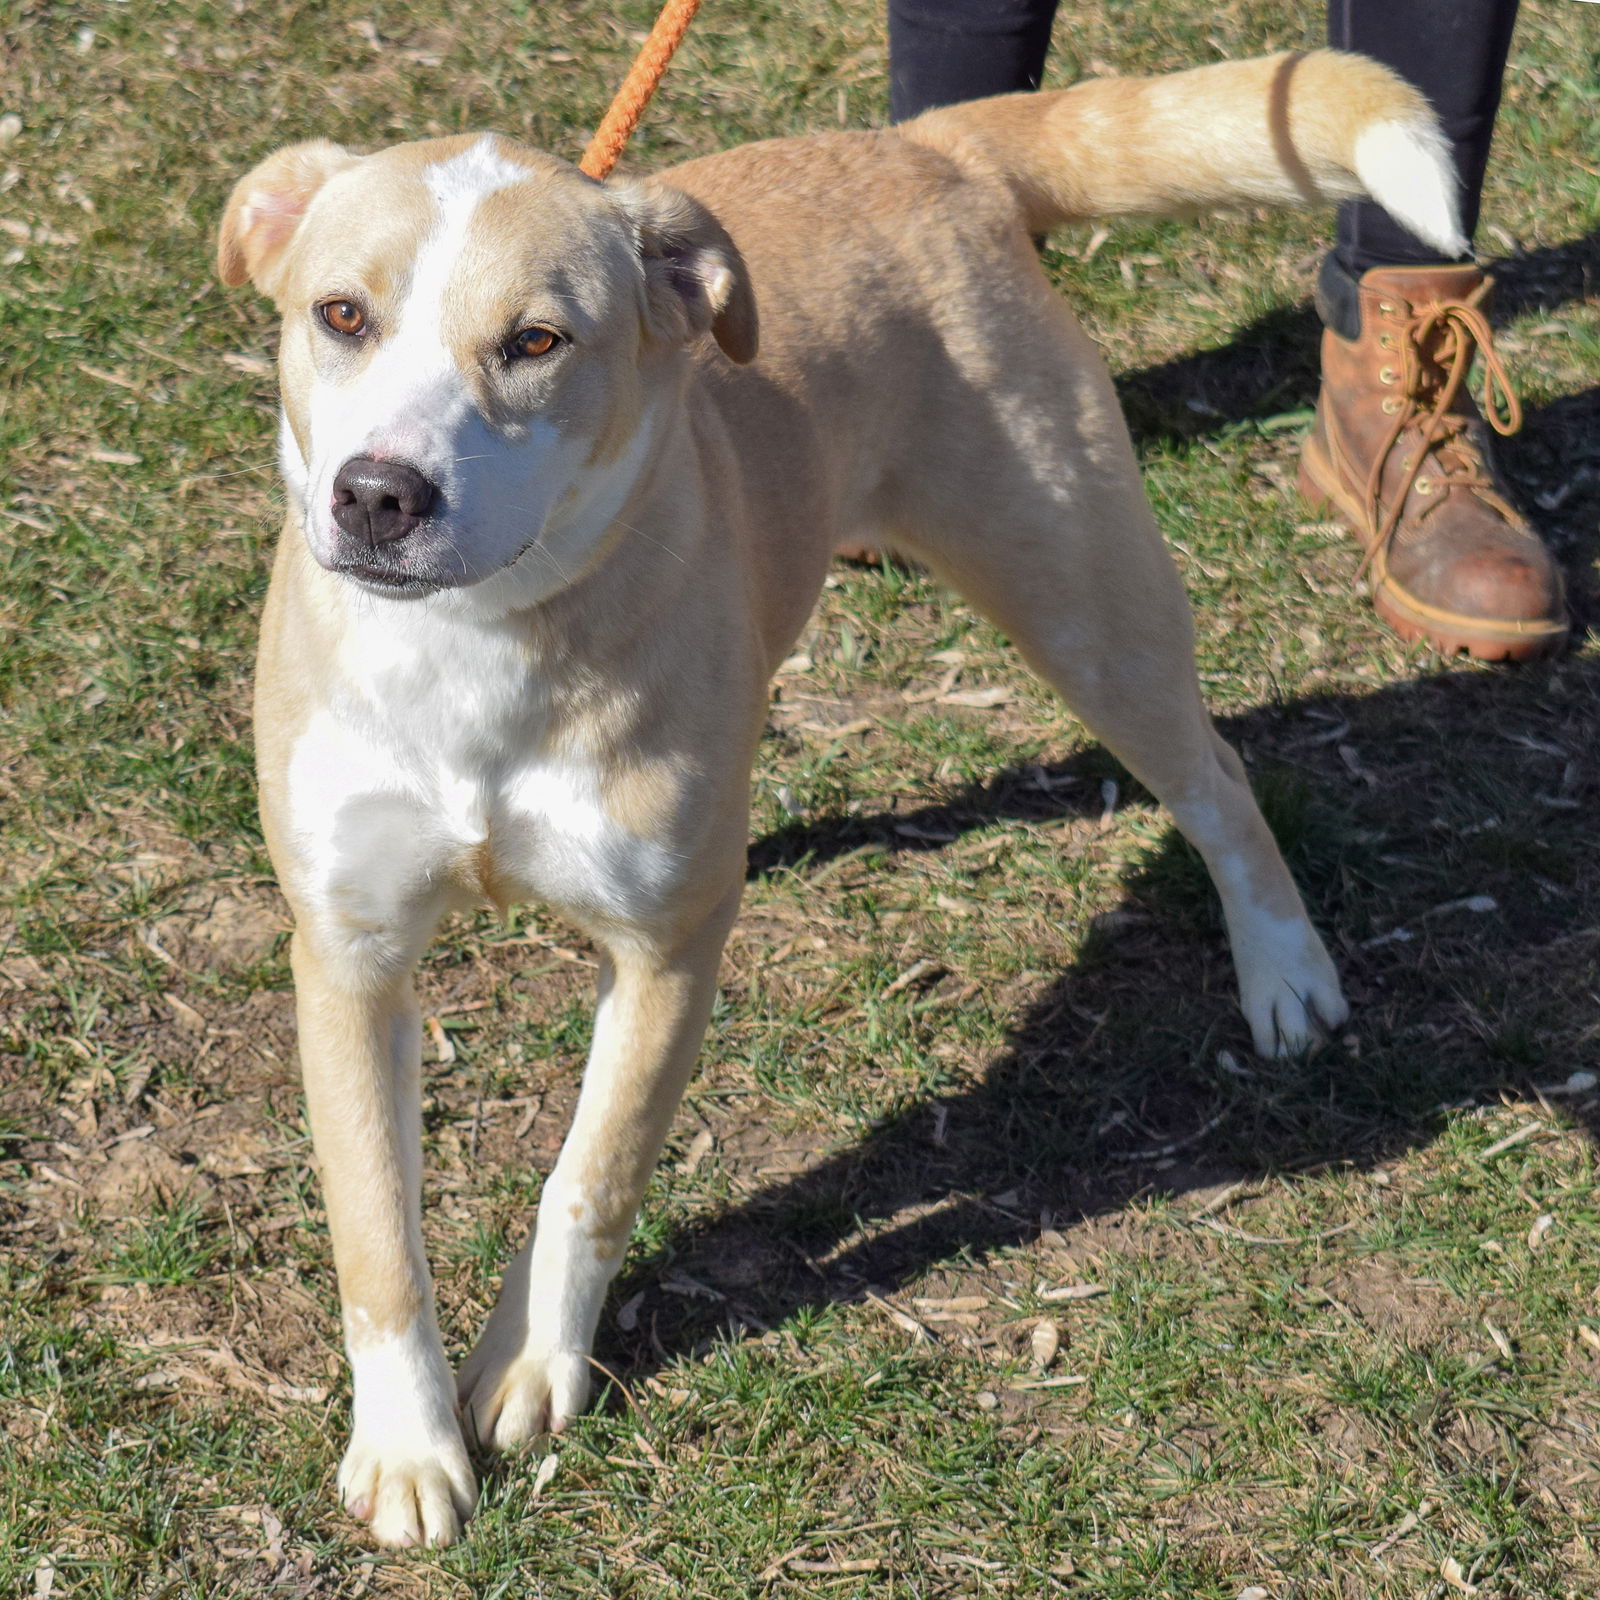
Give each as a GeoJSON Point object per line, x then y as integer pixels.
{"type": "Point", "coordinates": [1414, 620]}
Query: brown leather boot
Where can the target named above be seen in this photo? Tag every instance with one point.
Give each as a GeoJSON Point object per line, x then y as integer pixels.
{"type": "Point", "coordinates": [1399, 451]}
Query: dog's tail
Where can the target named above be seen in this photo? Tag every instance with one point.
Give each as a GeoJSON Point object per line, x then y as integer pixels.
{"type": "Point", "coordinates": [1294, 129]}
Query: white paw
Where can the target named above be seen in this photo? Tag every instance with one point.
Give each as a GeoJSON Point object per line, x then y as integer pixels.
{"type": "Point", "coordinates": [1289, 991]}
{"type": "Point", "coordinates": [509, 1397]}
{"type": "Point", "coordinates": [406, 1471]}
{"type": "Point", "coordinates": [413, 1490]}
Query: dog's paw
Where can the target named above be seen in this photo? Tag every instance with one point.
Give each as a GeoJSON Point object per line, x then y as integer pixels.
{"type": "Point", "coordinates": [1290, 994]}
{"type": "Point", "coordinates": [406, 1471]}
{"type": "Point", "coordinates": [508, 1398]}
{"type": "Point", "coordinates": [412, 1490]}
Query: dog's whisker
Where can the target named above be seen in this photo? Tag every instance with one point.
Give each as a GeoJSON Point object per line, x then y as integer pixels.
{"type": "Point", "coordinates": [264, 467]}
{"type": "Point", "coordinates": [650, 539]}
{"type": "Point", "coordinates": [540, 548]}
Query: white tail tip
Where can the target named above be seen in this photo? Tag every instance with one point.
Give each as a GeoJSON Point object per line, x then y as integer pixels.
{"type": "Point", "coordinates": [1406, 168]}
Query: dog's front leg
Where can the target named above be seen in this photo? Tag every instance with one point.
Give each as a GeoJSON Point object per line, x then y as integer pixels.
{"type": "Point", "coordinates": [406, 1470]}
{"type": "Point", "coordinates": [529, 1373]}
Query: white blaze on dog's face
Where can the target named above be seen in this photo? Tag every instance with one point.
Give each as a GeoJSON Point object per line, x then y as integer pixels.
{"type": "Point", "coordinates": [474, 341]}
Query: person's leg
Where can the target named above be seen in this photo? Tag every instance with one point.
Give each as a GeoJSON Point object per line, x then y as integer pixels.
{"type": "Point", "coordinates": [944, 51]}
{"type": "Point", "coordinates": [1455, 52]}
{"type": "Point", "coordinates": [1399, 450]}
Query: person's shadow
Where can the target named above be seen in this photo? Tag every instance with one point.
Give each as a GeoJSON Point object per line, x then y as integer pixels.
{"type": "Point", "coordinates": [1270, 366]}
{"type": "Point", "coordinates": [1442, 832]}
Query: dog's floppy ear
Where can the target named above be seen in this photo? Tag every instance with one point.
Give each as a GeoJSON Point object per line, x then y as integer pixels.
{"type": "Point", "coordinates": [265, 208]}
{"type": "Point", "coordinates": [695, 278]}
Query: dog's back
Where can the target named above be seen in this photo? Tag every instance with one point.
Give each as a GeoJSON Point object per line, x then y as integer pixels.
{"type": "Point", "coordinates": [904, 246]}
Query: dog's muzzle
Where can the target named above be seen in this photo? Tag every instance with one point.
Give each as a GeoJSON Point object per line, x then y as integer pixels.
{"type": "Point", "coordinates": [389, 535]}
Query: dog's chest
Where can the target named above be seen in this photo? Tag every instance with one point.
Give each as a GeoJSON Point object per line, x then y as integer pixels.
{"type": "Point", "coordinates": [440, 772]}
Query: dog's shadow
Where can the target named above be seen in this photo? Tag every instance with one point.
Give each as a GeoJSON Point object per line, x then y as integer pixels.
{"type": "Point", "coordinates": [1132, 1071]}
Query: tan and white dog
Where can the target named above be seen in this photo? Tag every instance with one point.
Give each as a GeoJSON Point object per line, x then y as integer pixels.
{"type": "Point", "coordinates": [547, 542]}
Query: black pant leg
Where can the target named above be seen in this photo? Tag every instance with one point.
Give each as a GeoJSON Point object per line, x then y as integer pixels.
{"type": "Point", "coordinates": [945, 51]}
{"type": "Point", "coordinates": [1455, 52]}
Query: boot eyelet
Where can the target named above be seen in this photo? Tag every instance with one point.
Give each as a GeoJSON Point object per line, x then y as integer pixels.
{"type": "Point", "coordinates": [1423, 486]}
{"type": "Point", "coordinates": [1388, 375]}
{"type": "Point", "coordinates": [1390, 407]}
{"type": "Point", "coordinates": [1385, 341]}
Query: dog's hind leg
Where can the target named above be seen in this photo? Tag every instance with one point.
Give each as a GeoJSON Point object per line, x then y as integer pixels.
{"type": "Point", "coordinates": [1035, 512]}
{"type": "Point", "coordinates": [530, 1371]}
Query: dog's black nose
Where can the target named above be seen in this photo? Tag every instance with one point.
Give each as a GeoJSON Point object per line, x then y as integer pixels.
{"type": "Point", "coordinates": [380, 501]}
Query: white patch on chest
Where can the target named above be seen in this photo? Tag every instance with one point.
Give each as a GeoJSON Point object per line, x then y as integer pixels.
{"type": "Point", "coordinates": [575, 856]}
{"type": "Point", "coordinates": [435, 748]}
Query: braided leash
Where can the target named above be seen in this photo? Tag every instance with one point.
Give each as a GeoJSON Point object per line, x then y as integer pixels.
{"type": "Point", "coordinates": [627, 107]}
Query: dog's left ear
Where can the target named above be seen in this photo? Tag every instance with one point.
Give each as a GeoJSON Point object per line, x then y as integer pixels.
{"type": "Point", "coordinates": [695, 279]}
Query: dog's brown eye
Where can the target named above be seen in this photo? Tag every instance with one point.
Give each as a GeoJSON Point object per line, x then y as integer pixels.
{"type": "Point", "coordinates": [533, 342]}
{"type": "Point", "coordinates": [344, 316]}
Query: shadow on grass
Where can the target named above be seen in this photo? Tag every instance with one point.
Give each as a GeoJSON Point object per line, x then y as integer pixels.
{"type": "Point", "coordinates": [1272, 366]}
{"type": "Point", "coordinates": [1132, 1073]}
{"type": "Point", "coordinates": [1554, 465]}
{"type": "Point", "coordinates": [1547, 278]}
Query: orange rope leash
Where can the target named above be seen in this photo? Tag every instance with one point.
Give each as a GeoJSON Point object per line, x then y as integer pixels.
{"type": "Point", "coordinates": [634, 95]}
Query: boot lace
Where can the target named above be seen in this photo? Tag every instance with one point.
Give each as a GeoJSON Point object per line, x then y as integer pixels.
{"type": "Point", "coordinates": [1437, 345]}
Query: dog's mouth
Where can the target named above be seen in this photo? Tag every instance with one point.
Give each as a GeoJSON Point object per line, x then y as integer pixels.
{"type": "Point", "coordinates": [385, 581]}
{"type": "Point", "coordinates": [415, 556]}
{"type": "Point", "coordinates": [422, 562]}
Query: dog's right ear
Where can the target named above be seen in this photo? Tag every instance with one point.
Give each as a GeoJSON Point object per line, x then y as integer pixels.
{"type": "Point", "coordinates": [265, 208]}
{"type": "Point", "coordinates": [695, 279]}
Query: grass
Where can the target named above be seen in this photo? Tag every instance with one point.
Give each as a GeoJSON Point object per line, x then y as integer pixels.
{"type": "Point", "coordinates": [977, 1042]}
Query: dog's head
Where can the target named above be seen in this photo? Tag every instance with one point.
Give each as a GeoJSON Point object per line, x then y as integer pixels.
{"type": "Point", "coordinates": [476, 339]}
